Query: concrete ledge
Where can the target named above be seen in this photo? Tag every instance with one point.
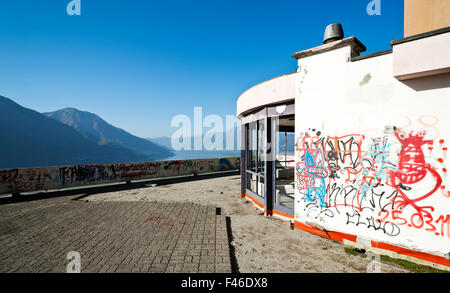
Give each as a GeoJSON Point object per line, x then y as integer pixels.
{"type": "Point", "coordinates": [420, 36]}
{"type": "Point", "coordinates": [422, 56]}
{"type": "Point", "coordinates": [371, 55]}
{"type": "Point", "coordinates": [357, 48]}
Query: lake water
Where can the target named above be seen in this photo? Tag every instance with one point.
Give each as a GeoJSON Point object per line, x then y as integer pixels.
{"type": "Point", "coordinates": [192, 155]}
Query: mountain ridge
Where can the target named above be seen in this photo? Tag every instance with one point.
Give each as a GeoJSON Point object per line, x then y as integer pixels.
{"type": "Point", "coordinates": [30, 139]}
{"type": "Point", "coordinates": [92, 126]}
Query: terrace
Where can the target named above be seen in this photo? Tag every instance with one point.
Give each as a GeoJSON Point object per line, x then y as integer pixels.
{"type": "Point", "coordinates": [163, 225]}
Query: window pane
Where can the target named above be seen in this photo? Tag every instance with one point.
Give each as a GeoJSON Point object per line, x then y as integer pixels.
{"type": "Point", "coordinates": [286, 149]}
{"type": "Point", "coordinates": [247, 146]}
{"type": "Point", "coordinates": [261, 146]}
{"type": "Point", "coordinates": [252, 182]}
{"type": "Point", "coordinates": [253, 145]}
{"type": "Point", "coordinates": [261, 186]}
{"type": "Point", "coordinates": [255, 132]}
{"type": "Point", "coordinates": [285, 162]}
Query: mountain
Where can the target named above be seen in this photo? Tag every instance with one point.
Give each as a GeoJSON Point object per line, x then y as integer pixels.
{"type": "Point", "coordinates": [162, 141]}
{"type": "Point", "coordinates": [30, 139]}
{"type": "Point", "coordinates": [98, 130]}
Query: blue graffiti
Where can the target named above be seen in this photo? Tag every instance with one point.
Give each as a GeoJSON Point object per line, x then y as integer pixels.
{"type": "Point", "coordinates": [225, 165]}
{"type": "Point", "coordinates": [375, 166]}
{"type": "Point", "coordinates": [314, 167]}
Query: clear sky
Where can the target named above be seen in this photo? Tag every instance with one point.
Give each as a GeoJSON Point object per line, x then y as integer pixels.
{"type": "Point", "coordinates": [138, 63]}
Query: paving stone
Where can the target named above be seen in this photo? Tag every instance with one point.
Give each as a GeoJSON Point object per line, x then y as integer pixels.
{"type": "Point", "coordinates": [112, 237]}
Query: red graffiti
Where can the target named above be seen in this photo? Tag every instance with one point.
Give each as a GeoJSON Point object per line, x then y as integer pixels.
{"type": "Point", "coordinates": [412, 164]}
{"type": "Point", "coordinates": [155, 219]}
{"type": "Point", "coordinates": [412, 169]}
{"type": "Point", "coordinates": [164, 221]}
{"type": "Point", "coordinates": [439, 226]}
{"type": "Point", "coordinates": [444, 192]}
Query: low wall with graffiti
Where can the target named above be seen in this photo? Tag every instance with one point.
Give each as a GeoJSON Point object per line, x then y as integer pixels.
{"type": "Point", "coordinates": [372, 155]}
{"type": "Point", "coordinates": [35, 179]}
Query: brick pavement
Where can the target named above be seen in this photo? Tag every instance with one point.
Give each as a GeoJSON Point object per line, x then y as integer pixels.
{"type": "Point", "coordinates": [119, 237]}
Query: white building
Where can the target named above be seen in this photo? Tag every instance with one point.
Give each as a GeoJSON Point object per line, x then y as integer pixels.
{"type": "Point", "coordinates": [354, 148]}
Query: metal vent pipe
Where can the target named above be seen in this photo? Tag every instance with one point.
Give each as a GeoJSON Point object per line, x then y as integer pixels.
{"type": "Point", "coordinates": [333, 32]}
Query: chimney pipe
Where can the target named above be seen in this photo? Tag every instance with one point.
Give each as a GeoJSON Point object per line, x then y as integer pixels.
{"type": "Point", "coordinates": [333, 32]}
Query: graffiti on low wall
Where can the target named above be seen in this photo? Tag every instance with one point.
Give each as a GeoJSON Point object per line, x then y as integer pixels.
{"type": "Point", "coordinates": [34, 179]}
{"type": "Point", "coordinates": [392, 184]}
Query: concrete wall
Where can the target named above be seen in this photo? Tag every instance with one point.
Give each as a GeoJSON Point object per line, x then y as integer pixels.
{"type": "Point", "coordinates": [422, 57]}
{"type": "Point", "coordinates": [34, 179]}
{"type": "Point", "coordinates": [371, 152]}
{"type": "Point", "coordinates": [426, 15]}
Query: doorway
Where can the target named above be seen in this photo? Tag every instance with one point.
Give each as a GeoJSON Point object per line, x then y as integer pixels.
{"type": "Point", "coordinates": [255, 159]}
{"type": "Point", "coordinates": [284, 177]}
{"type": "Point", "coordinates": [268, 176]}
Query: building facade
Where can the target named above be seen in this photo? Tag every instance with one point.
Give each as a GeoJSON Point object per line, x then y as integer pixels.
{"type": "Point", "coordinates": [354, 148]}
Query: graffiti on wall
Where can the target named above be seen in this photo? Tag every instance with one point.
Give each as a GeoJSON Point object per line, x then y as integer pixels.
{"type": "Point", "coordinates": [385, 183]}
{"type": "Point", "coordinates": [34, 179]}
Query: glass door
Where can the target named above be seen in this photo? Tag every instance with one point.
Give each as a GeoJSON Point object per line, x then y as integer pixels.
{"type": "Point", "coordinates": [283, 129]}
{"type": "Point", "coordinates": [255, 157]}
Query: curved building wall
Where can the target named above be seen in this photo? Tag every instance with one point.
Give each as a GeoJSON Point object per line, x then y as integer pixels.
{"type": "Point", "coordinates": [277, 90]}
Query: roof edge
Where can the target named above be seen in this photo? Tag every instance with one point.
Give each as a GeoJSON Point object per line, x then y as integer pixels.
{"type": "Point", "coordinates": [356, 44]}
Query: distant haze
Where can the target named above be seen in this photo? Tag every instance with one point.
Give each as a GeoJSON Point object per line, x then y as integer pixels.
{"type": "Point", "coordinates": [198, 154]}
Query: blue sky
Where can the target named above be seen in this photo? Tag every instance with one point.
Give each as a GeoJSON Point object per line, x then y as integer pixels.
{"type": "Point", "coordinates": [139, 63]}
